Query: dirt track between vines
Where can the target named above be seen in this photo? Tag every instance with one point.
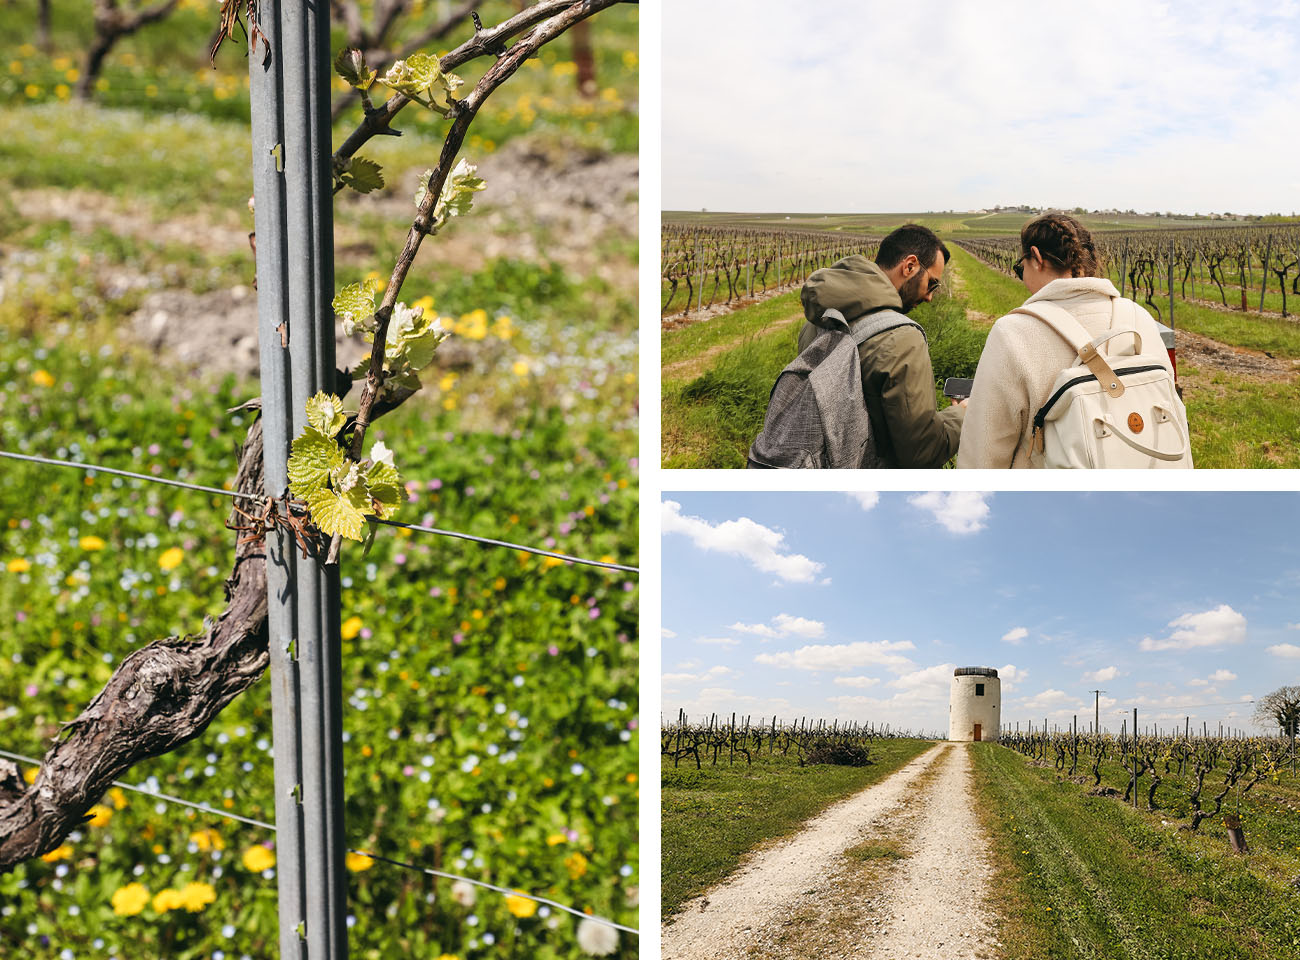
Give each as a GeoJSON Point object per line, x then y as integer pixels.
{"type": "Point", "coordinates": [804, 898]}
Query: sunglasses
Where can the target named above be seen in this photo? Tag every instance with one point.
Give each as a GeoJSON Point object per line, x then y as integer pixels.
{"type": "Point", "coordinates": [1018, 268]}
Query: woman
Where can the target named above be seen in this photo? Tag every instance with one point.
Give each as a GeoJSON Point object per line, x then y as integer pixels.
{"type": "Point", "coordinates": [1023, 355]}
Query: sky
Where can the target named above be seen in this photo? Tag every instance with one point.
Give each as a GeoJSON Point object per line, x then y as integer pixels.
{"type": "Point", "coordinates": [859, 606]}
{"type": "Point", "coordinates": [846, 106]}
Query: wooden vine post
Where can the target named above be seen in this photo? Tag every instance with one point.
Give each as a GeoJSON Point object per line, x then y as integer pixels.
{"type": "Point", "coordinates": [293, 186]}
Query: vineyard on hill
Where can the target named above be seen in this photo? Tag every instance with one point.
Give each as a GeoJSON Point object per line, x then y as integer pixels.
{"type": "Point", "coordinates": [814, 742]}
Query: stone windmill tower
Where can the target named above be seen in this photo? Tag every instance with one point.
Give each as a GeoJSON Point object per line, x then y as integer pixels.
{"type": "Point", "coordinates": [975, 704]}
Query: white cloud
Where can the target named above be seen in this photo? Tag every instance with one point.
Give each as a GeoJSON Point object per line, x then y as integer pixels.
{"type": "Point", "coordinates": [1219, 627]}
{"type": "Point", "coordinates": [1289, 650]}
{"type": "Point", "coordinates": [1011, 675]}
{"type": "Point", "coordinates": [1104, 675]}
{"type": "Point", "coordinates": [719, 641]}
{"type": "Point", "coordinates": [933, 682]}
{"type": "Point", "coordinates": [859, 683]}
{"type": "Point", "coordinates": [784, 625]}
{"type": "Point", "coordinates": [962, 512]}
{"type": "Point", "coordinates": [761, 546]}
{"type": "Point", "coordinates": [1047, 700]}
{"type": "Point", "coordinates": [1198, 682]}
{"type": "Point", "coordinates": [866, 499]}
{"type": "Point", "coordinates": [1015, 635]}
{"type": "Point", "coordinates": [713, 673]}
{"type": "Point", "coordinates": [1222, 676]}
{"type": "Point", "coordinates": [846, 656]}
{"type": "Point", "coordinates": [1293, 626]}
{"type": "Point", "coordinates": [666, 633]}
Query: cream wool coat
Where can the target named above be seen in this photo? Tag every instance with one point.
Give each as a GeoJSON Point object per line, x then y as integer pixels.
{"type": "Point", "coordinates": [1020, 362]}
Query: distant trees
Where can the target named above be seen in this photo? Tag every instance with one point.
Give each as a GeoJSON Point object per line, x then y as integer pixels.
{"type": "Point", "coordinates": [112, 23]}
{"type": "Point", "coordinates": [1281, 708]}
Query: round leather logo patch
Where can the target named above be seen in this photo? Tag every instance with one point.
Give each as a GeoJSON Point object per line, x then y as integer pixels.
{"type": "Point", "coordinates": [1135, 422]}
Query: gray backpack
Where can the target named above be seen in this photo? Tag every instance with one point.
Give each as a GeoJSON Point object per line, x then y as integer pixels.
{"type": "Point", "coordinates": [816, 414]}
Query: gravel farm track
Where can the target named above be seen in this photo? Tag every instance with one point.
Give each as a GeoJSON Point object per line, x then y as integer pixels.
{"type": "Point", "coordinates": [808, 897]}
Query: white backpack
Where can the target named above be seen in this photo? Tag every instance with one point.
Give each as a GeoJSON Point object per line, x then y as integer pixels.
{"type": "Point", "coordinates": [1121, 413]}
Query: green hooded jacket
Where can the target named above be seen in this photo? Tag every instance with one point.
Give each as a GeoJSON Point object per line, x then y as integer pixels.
{"type": "Point", "coordinates": [897, 377]}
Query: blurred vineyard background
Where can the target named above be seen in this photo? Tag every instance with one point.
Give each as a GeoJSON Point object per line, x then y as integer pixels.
{"type": "Point", "coordinates": [729, 301]}
{"type": "Point", "coordinates": [491, 720]}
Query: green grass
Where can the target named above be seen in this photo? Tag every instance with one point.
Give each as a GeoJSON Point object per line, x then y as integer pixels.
{"type": "Point", "coordinates": [685, 342]}
{"type": "Point", "coordinates": [1236, 422]}
{"type": "Point", "coordinates": [1089, 878]}
{"type": "Point", "coordinates": [712, 817]}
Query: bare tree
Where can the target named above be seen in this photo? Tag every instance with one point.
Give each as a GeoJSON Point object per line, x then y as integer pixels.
{"type": "Point", "coordinates": [112, 23]}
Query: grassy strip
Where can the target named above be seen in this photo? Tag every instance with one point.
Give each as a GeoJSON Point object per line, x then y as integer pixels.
{"type": "Point", "coordinates": [1240, 423]}
{"type": "Point", "coordinates": [684, 342]}
{"type": "Point", "coordinates": [1088, 877]}
{"type": "Point", "coordinates": [713, 816]}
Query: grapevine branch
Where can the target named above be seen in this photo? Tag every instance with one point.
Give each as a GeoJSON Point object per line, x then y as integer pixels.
{"type": "Point", "coordinates": [464, 111]}
{"type": "Point", "coordinates": [166, 693]}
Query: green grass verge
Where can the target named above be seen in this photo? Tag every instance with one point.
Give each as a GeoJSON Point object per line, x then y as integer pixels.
{"type": "Point", "coordinates": [1241, 423]}
{"type": "Point", "coordinates": [713, 816]}
{"type": "Point", "coordinates": [1088, 877]}
{"type": "Point", "coordinates": [685, 342]}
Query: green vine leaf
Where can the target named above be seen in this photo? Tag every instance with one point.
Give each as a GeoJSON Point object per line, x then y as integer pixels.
{"type": "Point", "coordinates": [417, 75]}
{"type": "Point", "coordinates": [363, 175]}
{"type": "Point", "coordinates": [458, 192]}
{"type": "Point", "coordinates": [354, 305]}
{"type": "Point", "coordinates": [413, 337]}
{"type": "Point", "coordinates": [350, 64]}
{"type": "Point", "coordinates": [314, 456]}
{"type": "Point", "coordinates": [341, 513]}
{"type": "Point", "coordinates": [325, 413]}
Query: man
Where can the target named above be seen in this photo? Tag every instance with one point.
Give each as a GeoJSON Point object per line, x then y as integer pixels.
{"type": "Point", "coordinates": [897, 379]}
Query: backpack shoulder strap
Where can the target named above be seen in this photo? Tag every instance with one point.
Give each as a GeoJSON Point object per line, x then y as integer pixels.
{"type": "Point", "coordinates": [1073, 333]}
{"type": "Point", "coordinates": [864, 328]}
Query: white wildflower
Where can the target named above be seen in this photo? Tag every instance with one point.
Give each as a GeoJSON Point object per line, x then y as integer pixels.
{"type": "Point", "coordinates": [380, 453]}
{"type": "Point", "coordinates": [597, 939]}
{"type": "Point", "coordinates": [463, 893]}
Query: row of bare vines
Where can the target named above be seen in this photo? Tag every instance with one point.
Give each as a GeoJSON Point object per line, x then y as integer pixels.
{"type": "Point", "coordinates": [813, 741]}
{"type": "Point", "coordinates": [1236, 268]}
{"type": "Point", "coordinates": [704, 265]}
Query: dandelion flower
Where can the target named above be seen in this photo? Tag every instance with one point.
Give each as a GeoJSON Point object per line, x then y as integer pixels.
{"type": "Point", "coordinates": [357, 862]}
{"type": "Point", "coordinates": [195, 896]}
{"type": "Point", "coordinates": [171, 558]}
{"type": "Point", "coordinates": [165, 900]}
{"type": "Point", "coordinates": [91, 543]}
{"type": "Point", "coordinates": [597, 939]}
{"type": "Point", "coordinates": [18, 565]}
{"type": "Point", "coordinates": [130, 900]}
{"type": "Point", "coordinates": [99, 815]}
{"type": "Point", "coordinates": [577, 864]}
{"type": "Point", "coordinates": [42, 378]}
{"type": "Point", "coordinates": [62, 852]}
{"type": "Point", "coordinates": [258, 858]}
{"type": "Point", "coordinates": [463, 893]}
{"type": "Point", "coordinates": [209, 839]}
{"type": "Point", "coordinates": [351, 627]}
{"type": "Point", "coordinates": [521, 907]}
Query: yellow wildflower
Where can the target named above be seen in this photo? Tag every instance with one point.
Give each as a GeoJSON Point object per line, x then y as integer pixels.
{"type": "Point", "coordinates": [519, 368]}
{"type": "Point", "coordinates": [258, 858]}
{"type": "Point", "coordinates": [30, 774]}
{"type": "Point", "coordinates": [63, 852]}
{"type": "Point", "coordinates": [18, 565]}
{"type": "Point", "coordinates": [130, 900]}
{"type": "Point", "coordinates": [577, 864]}
{"type": "Point", "coordinates": [195, 896]}
{"type": "Point", "coordinates": [521, 906]}
{"type": "Point", "coordinates": [99, 815]}
{"type": "Point", "coordinates": [43, 378]}
{"type": "Point", "coordinates": [171, 558]}
{"type": "Point", "coordinates": [165, 900]}
{"type": "Point", "coordinates": [118, 798]}
{"type": "Point", "coordinates": [357, 862]}
{"type": "Point", "coordinates": [91, 543]}
{"type": "Point", "coordinates": [351, 627]}
{"type": "Point", "coordinates": [209, 839]}
{"type": "Point", "coordinates": [556, 838]}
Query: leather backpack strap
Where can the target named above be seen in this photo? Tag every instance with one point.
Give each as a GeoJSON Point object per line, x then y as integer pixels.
{"type": "Point", "coordinates": [1073, 333]}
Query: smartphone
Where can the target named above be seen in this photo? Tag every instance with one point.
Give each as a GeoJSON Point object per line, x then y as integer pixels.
{"type": "Point", "coordinates": [958, 388]}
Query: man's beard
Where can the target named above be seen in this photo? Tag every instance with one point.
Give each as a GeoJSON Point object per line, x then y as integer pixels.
{"type": "Point", "coordinates": [910, 291]}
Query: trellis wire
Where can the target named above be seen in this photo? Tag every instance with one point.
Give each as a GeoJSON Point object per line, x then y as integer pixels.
{"type": "Point", "coordinates": [487, 541]}
{"type": "Point", "coordinates": [157, 795]}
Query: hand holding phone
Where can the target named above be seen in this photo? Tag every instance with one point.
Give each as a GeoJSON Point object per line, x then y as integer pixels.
{"type": "Point", "coordinates": [957, 388]}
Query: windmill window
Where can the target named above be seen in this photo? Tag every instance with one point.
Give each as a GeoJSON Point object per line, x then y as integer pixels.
{"type": "Point", "coordinates": [979, 689]}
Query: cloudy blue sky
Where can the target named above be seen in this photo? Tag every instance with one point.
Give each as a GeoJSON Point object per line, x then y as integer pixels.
{"type": "Point", "coordinates": [858, 606]}
{"type": "Point", "coordinates": [857, 105]}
